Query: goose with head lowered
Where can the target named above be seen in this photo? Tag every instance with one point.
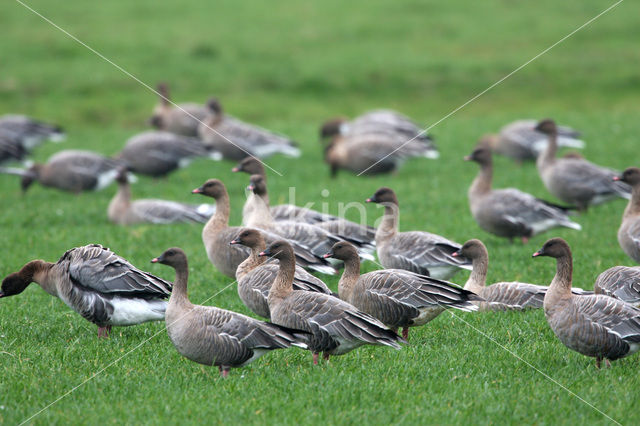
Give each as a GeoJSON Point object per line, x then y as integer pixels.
{"type": "Point", "coordinates": [182, 119]}
{"type": "Point", "coordinates": [594, 325]}
{"type": "Point", "coordinates": [98, 284]}
{"type": "Point", "coordinates": [509, 212]}
{"type": "Point", "coordinates": [212, 336]}
{"type": "Point", "coordinates": [629, 231]}
{"type": "Point", "coordinates": [29, 132]}
{"type": "Point", "coordinates": [621, 282]}
{"type": "Point", "coordinates": [335, 326]}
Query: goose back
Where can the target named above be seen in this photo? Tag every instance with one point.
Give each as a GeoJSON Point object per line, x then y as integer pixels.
{"type": "Point", "coordinates": [620, 282]}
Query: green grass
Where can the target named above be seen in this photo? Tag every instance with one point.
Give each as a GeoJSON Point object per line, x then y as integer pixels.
{"type": "Point", "coordinates": [288, 66]}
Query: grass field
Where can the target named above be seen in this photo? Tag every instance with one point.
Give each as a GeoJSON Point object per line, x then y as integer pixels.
{"type": "Point", "coordinates": [288, 66]}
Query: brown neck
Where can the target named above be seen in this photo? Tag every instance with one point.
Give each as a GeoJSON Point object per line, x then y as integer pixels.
{"type": "Point", "coordinates": [283, 284]}
{"type": "Point", "coordinates": [37, 271]}
{"type": "Point", "coordinates": [478, 278]}
{"type": "Point", "coordinates": [179, 294]}
{"type": "Point", "coordinates": [258, 211]}
{"type": "Point", "coordinates": [548, 156]}
{"type": "Point", "coordinates": [220, 219]}
{"type": "Point", "coordinates": [633, 208]}
{"type": "Point", "coordinates": [561, 284]}
{"type": "Point", "coordinates": [482, 183]}
{"type": "Point", "coordinates": [253, 261]}
{"type": "Point", "coordinates": [389, 225]}
{"type": "Point", "coordinates": [349, 278]}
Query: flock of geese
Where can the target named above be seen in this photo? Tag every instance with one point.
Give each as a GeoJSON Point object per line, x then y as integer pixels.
{"type": "Point", "coordinates": [271, 253]}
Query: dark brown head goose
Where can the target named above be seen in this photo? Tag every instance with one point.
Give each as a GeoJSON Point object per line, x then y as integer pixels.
{"type": "Point", "coordinates": [335, 326]}
{"type": "Point", "coordinates": [255, 276]}
{"type": "Point", "coordinates": [396, 297]}
{"type": "Point", "coordinates": [594, 325]}
{"type": "Point", "coordinates": [629, 231]}
{"type": "Point", "coordinates": [160, 153]}
{"type": "Point", "coordinates": [123, 210]}
{"type": "Point", "coordinates": [214, 336]}
{"type": "Point", "coordinates": [98, 284]}
{"type": "Point", "coordinates": [510, 212]}
{"type": "Point", "coordinates": [417, 251]}
{"type": "Point", "coordinates": [621, 282]}
{"type": "Point", "coordinates": [182, 119]}
{"type": "Point", "coordinates": [576, 181]}
{"type": "Point", "coordinates": [28, 132]}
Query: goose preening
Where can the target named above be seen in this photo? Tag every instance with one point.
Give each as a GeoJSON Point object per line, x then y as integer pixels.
{"type": "Point", "coordinates": [621, 282]}
{"type": "Point", "coordinates": [28, 132]}
{"type": "Point", "coordinates": [576, 181]}
{"type": "Point", "coordinates": [123, 210]}
{"type": "Point", "coordinates": [335, 326]}
{"type": "Point", "coordinates": [629, 231]}
{"type": "Point", "coordinates": [157, 154]}
{"type": "Point", "coordinates": [510, 212]}
{"type": "Point", "coordinates": [521, 141]}
{"type": "Point", "coordinates": [416, 251]}
{"type": "Point", "coordinates": [255, 276]}
{"type": "Point", "coordinates": [213, 336]}
{"type": "Point", "coordinates": [182, 119]}
{"type": "Point", "coordinates": [98, 284]}
{"type": "Point", "coordinates": [235, 139]}
{"type": "Point", "coordinates": [595, 325]}
{"type": "Point", "coordinates": [396, 297]}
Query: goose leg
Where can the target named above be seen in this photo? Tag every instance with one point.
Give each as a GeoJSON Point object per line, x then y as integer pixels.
{"type": "Point", "coordinates": [325, 356]}
{"type": "Point", "coordinates": [598, 359]}
{"type": "Point", "coordinates": [224, 371]}
{"type": "Point", "coordinates": [405, 333]}
{"type": "Point", "coordinates": [104, 331]}
{"type": "Point", "coordinates": [607, 363]}
{"type": "Point", "coordinates": [315, 358]}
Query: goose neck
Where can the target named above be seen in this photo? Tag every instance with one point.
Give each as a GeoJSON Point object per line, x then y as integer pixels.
{"type": "Point", "coordinates": [283, 284]}
{"type": "Point", "coordinates": [478, 278]}
{"type": "Point", "coordinates": [633, 207]}
{"type": "Point", "coordinates": [389, 223]}
{"type": "Point", "coordinates": [548, 156]}
{"type": "Point", "coordinates": [349, 278]}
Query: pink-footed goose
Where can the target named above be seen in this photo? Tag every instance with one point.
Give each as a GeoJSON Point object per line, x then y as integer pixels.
{"type": "Point", "coordinates": [11, 150]}
{"type": "Point", "coordinates": [182, 119]}
{"type": "Point", "coordinates": [509, 212]}
{"type": "Point", "coordinates": [416, 251]}
{"type": "Point", "coordinates": [255, 276]}
{"type": "Point", "coordinates": [396, 297]}
{"type": "Point", "coordinates": [335, 326]}
{"type": "Point", "coordinates": [212, 336]}
{"type": "Point", "coordinates": [28, 132]}
{"type": "Point", "coordinates": [629, 231]}
{"type": "Point", "coordinates": [593, 325]}
{"type": "Point", "coordinates": [573, 180]}
{"type": "Point", "coordinates": [621, 282]}
{"type": "Point", "coordinates": [98, 284]}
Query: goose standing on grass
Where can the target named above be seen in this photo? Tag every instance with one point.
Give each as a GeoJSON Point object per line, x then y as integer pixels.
{"type": "Point", "coordinates": [255, 276]}
{"type": "Point", "coordinates": [28, 132]}
{"type": "Point", "coordinates": [98, 284]}
{"type": "Point", "coordinates": [124, 211]}
{"type": "Point", "coordinates": [182, 119]}
{"type": "Point", "coordinates": [573, 180]}
{"type": "Point", "coordinates": [510, 212]}
{"type": "Point", "coordinates": [213, 336]}
{"type": "Point", "coordinates": [597, 326]}
{"type": "Point", "coordinates": [629, 231]}
{"type": "Point", "coordinates": [236, 139]}
{"type": "Point", "coordinates": [336, 327]}
{"type": "Point", "coordinates": [396, 297]}
{"type": "Point", "coordinates": [621, 282]}
{"type": "Point", "coordinates": [416, 251]}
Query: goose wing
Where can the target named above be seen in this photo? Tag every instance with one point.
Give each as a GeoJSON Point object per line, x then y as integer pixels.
{"type": "Point", "coordinates": [84, 163]}
{"type": "Point", "coordinates": [305, 257]}
{"type": "Point", "coordinates": [514, 295]}
{"type": "Point", "coordinates": [164, 211]}
{"type": "Point", "coordinates": [28, 131]}
{"type": "Point", "coordinates": [254, 139]}
{"type": "Point", "coordinates": [416, 251]}
{"type": "Point", "coordinates": [585, 176]}
{"type": "Point", "coordinates": [621, 282]}
{"type": "Point", "coordinates": [614, 315]}
{"type": "Point", "coordinates": [299, 214]}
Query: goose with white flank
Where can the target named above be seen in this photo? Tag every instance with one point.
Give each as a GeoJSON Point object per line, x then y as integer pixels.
{"type": "Point", "coordinates": [629, 231]}
{"type": "Point", "coordinates": [98, 284]}
{"type": "Point", "coordinates": [28, 132]}
{"type": "Point", "coordinates": [182, 119]}
{"type": "Point", "coordinates": [621, 282]}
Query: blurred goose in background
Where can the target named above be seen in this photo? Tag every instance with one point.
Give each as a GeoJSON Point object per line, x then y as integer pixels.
{"type": "Point", "coordinates": [396, 297]}
{"type": "Point", "coordinates": [98, 284]}
{"type": "Point", "coordinates": [521, 141]}
{"type": "Point", "coordinates": [28, 132]}
{"type": "Point", "coordinates": [160, 153]}
{"type": "Point", "coordinates": [336, 327]}
{"type": "Point", "coordinates": [416, 251]}
{"type": "Point", "coordinates": [510, 212]}
{"type": "Point", "coordinates": [593, 325]}
{"type": "Point", "coordinates": [255, 276]}
{"type": "Point", "coordinates": [621, 282]}
{"type": "Point", "coordinates": [629, 231]}
{"type": "Point", "coordinates": [182, 119]}
{"type": "Point", "coordinates": [574, 180]}
{"type": "Point", "coordinates": [212, 336]}
{"type": "Point", "coordinates": [11, 150]}
{"type": "Point", "coordinates": [236, 139]}
{"type": "Point", "coordinates": [124, 211]}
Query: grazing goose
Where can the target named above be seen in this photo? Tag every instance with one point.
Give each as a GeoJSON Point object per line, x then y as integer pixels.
{"type": "Point", "coordinates": [417, 251]}
{"type": "Point", "coordinates": [236, 139]}
{"type": "Point", "coordinates": [621, 282]}
{"type": "Point", "coordinates": [160, 153]}
{"type": "Point", "coordinates": [29, 133]}
{"type": "Point", "coordinates": [123, 211]}
{"type": "Point", "coordinates": [629, 231]}
{"type": "Point", "coordinates": [510, 212]}
{"type": "Point", "coordinates": [594, 325]}
{"type": "Point", "coordinates": [255, 276]}
{"type": "Point", "coordinates": [396, 297]}
{"type": "Point", "coordinates": [182, 119]}
{"type": "Point", "coordinates": [336, 327]}
{"type": "Point", "coordinates": [11, 150]}
{"type": "Point", "coordinates": [98, 284]}
{"type": "Point", "coordinates": [213, 336]}
{"type": "Point", "coordinates": [573, 180]}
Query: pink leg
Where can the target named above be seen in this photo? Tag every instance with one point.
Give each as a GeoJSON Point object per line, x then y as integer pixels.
{"type": "Point", "coordinates": [315, 358]}
{"type": "Point", "coordinates": [224, 372]}
{"type": "Point", "coordinates": [104, 331]}
{"type": "Point", "coordinates": [607, 363]}
{"type": "Point", "coordinates": [405, 333]}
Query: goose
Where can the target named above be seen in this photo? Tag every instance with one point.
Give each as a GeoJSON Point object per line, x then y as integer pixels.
{"type": "Point", "coordinates": [98, 284]}
{"type": "Point", "coordinates": [255, 276]}
{"type": "Point", "coordinates": [621, 282]}
{"type": "Point", "coordinates": [510, 212]}
{"type": "Point", "coordinates": [335, 326]}
{"type": "Point", "coordinates": [11, 150]}
{"type": "Point", "coordinates": [236, 139]}
{"type": "Point", "coordinates": [182, 119]}
{"type": "Point", "coordinates": [212, 336]}
{"type": "Point", "coordinates": [124, 211]}
{"type": "Point", "coordinates": [521, 141]}
{"type": "Point", "coordinates": [28, 132]}
{"type": "Point", "coordinates": [396, 297]}
{"type": "Point", "coordinates": [629, 231]}
{"type": "Point", "coordinates": [573, 180]}
{"type": "Point", "coordinates": [594, 325]}
{"type": "Point", "coordinates": [416, 251]}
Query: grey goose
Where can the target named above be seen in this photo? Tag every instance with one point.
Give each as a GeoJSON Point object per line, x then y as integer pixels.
{"type": "Point", "coordinates": [29, 132]}
{"type": "Point", "coordinates": [621, 282]}
{"type": "Point", "coordinates": [629, 231]}
{"type": "Point", "coordinates": [182, 119]}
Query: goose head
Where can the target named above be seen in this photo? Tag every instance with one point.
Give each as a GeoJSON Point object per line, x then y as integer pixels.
{"type": "Point", "coordinates": [383, 195]}
{"type": "Point", "coordinates": [342, 250]}
{"type": "Point", "coordinates": [472, 249]}
{"type": "Point", "coordinates": [174, 257]}
{"type": "Point", "coordinates": [631, 176]}
{"type": "Point", "coordinates": [13, 284]}
{"type": "Point", "coordinates": [332, 127]}
{"type": "Point", "coordinates": [214, 106]}
{"type": "Point", "coordinates": [257, 185]}
{"type": "Point", "coordinates": [481, 155]}
{"type": "Point", "coordinates": [555, 247]}
{"type": "Point", "coordinates": [30, 176]}
{"type": "Point", "coordinates": [546, 126]}
{"type": "Point", "coordinates": [280, 250]}
{"type": "Point", "coordinates": [212, 188]}
{"type": "Point", "coordinates": [250, 165]}
{"type": "Point", "coordinates": [248, 237]}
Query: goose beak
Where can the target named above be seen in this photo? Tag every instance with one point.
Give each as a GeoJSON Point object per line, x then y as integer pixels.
{"type": "Point", "coordinates": [236, 169]}
{"type": "Point", "coordinates": [155, 260]}
{"type": "Point", "coordinates": [467, 158]}
{"type": "Point", "coordinates": [616, 178]}
{"type": "Point", "coordinates": [250, 187]}
{"type": "Point", "coordinates": [455, 253]}
{"type": "Point", "coordinates": [538, 253]}
{"type": "Point", "coordinates": [197, 191]}
{"type": "Point", "coordinates": [327, 255]}
{"type": "Point", "coordinates": [369, 200]}
{"type": "Point", "coordinates": [264, 253]}
{"type": "Point", "coordinates": [234, 242]}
